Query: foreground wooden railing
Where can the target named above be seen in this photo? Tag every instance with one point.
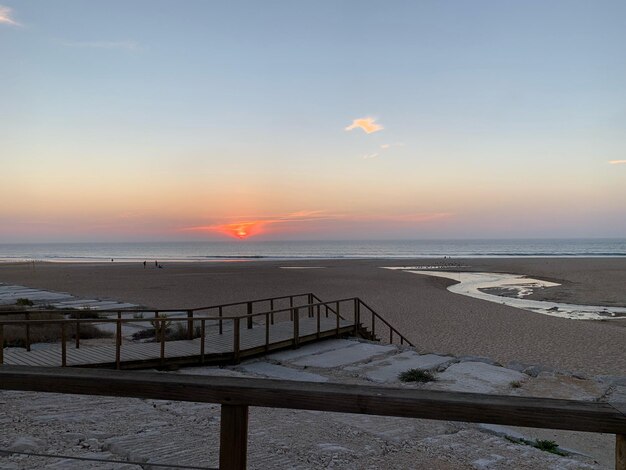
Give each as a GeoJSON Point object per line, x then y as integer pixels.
{"type": "Point", "coordinates": [237, 394]}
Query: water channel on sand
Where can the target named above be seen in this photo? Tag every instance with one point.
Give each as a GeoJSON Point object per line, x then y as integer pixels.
{"type": "Point", "coordinates": [511, 290]}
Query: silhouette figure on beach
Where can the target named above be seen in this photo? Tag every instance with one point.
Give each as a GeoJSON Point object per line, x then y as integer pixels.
{"type": "Point", "coordinates": [144, 264]}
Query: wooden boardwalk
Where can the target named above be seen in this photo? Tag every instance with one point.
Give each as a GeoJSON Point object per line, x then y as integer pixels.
{"type": "Point", "coordinates": [218, 348]}
{"type": "Point", "coordinates": [215, 334]}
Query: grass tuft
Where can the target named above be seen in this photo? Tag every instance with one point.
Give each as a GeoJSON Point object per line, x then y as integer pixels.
{"type": "Point", "coordinates": [548, 446]}
{"type": "Point", "coordinates": [417, 375]}
{"type": "Point", "coordinates": [544, 445]}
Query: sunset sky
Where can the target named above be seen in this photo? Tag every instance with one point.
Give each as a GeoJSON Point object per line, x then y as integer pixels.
{"type": "Point", "coordinates": [153, 120]}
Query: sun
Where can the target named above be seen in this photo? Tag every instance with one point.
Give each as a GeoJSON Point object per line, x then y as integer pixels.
{"type": "Point", "coordinates": [243, 230]}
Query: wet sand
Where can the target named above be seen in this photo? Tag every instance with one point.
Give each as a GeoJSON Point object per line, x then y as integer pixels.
{"type": "Point", "coordinates": [419, 306]}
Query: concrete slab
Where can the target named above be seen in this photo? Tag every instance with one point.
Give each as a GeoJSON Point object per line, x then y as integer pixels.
{"type": "Point", "coordinates": [563, 386]}
{"type": "Point", "coordinates": [387, 370]}
{"type": "Point", "coordinates": [358, 353]}
{"type": "Point", "coordinates": [274, 371]}
{"type": "Point", "coordinates": [310, 349]}
{"type": "Point", "coordinates": [476, 377]}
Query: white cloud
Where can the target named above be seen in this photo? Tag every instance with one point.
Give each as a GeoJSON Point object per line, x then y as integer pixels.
{"type": "Point", "coordinates": [369, 156]}
{"type": "Point", "coordinates": [6, 16]}
{"type": "Point", "coordinates": [367, 124]}
{"type": "Point", "coordinates": [617, 162]}
{"type": "Point", "coordinates": [388, 146]}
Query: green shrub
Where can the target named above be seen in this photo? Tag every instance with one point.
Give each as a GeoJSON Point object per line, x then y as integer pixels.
{"type": "Point", "coordinates": [417, 375]}
{"type": "Point", "coordinates": [176, 333]}
{"type": "Point", "coordinates": [86, 313]}
{"type": "Point", "coordinates": [544, 445]}
{"type": "Point", "coordinates": [548, 446]}
{"type": "Point", "coordinates": [159, 323]}
{"type": "Point", "coordinates": [15, 335]}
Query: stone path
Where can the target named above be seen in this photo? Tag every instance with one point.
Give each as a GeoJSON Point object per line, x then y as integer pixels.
{"type": "Point", "coordinates": [59, 300]}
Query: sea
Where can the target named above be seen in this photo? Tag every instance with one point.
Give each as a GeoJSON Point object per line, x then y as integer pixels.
{"type": "Point", "coordinates": [278, 250]}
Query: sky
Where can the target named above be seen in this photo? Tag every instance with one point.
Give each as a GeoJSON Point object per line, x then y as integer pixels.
{"type": "Point", "coordinates": [153, 120]}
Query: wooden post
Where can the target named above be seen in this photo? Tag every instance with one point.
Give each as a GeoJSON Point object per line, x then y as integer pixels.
{"type": "Point", "coordinates": [267, 332]}
{"type": "Point", "coordinates": [189, 324]}
{"type": "Point", "coordinates": [219, 312]}
{"type": "Point", "coordinates": [249, 315]}
{"type": "Point", "coordinates": [63, 346]}
{"type": "Point", "coordinates": [162, 320]}
{"type": "Point", "coordinates": [236, 351]}
{"type": "Point", "coordinates": [337, 313]}
{"type": "Point", "coordinates": [310, 301]}
{"type": "Point", "coordinates": [272, 309]}
{"type": "Point", "coordinates": [234, 437]}
{"type": "Point", "coordinates": [27, 331]}
{"type": "Point", "coordinates": [118, 341]}
{"type": "Point", "coordinates": [296, 327]}
{"type": "Point", "coordinates": [202, 334]}
{"type": "Point", "coordinates": [291, 307]}
{"type": "Point", "coordinates": [390, 335]}
{"type": "Point", "coordinates": [373, 327]}
{"type": "Point", "coordinates": [620, 452]}
{"type": "Point", "coordinates": [318, 322]}
{"type": "Point", "coordinates": [1, 344]}
{"type": "Point", "coordinates": [77, 339]}
{"type": "Point", "coordinates": [356, 317]}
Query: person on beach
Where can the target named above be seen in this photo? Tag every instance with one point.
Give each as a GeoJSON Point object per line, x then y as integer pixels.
{"type": "Point", "coordinates": [156, 264]}
{"type": "Point", "coordinates": [144, 264]}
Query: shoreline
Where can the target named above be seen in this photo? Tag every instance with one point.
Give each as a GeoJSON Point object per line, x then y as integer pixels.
{"type": "Point", "coordinates": [252, 258]}
{"type": "Point", "coordinates": [420, 307]}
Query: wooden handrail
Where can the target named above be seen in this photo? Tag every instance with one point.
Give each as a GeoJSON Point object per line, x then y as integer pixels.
{"type": "Point", "coordinates": [148, 310]}
{"type": "Point", "coordinates": [139, 320]}
{"type": "Point", "coordinates": [239, 393]}
{"type": "Point", "coordinates": [403, 338]}
{"type": "Point", "coordinates": [267, 299]}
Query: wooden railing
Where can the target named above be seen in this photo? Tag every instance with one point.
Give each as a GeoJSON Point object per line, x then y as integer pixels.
{"type": "Point", "coordinates": [361, 312]}
{"type": "Point", "coordinates": [235, 395]}
{"type": "Point", "coordinates": [350, 311]}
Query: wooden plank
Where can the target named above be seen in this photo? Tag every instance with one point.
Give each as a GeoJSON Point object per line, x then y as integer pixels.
{"type": "Point", "coordinates": [410, 403]}
{"type": "Point", "coordinates": [28, 357]}
{"type": "Point", "coordinates": [83, 355]}
{"type": "Point", "coordinates": [20, 361]}
{"type": "Point", "coordinates": [45, 357]}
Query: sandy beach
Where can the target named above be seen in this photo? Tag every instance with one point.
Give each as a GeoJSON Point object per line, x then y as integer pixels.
{"type": "Point", "coordinates": [419, 306]}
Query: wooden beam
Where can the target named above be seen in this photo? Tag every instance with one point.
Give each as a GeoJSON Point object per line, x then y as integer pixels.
{"type": "Point", "coordinates": [620, 452]}
{"type": "Point", "coordinates": [233, 437]}
{"type": "Point", "coordinates": [454, 406]}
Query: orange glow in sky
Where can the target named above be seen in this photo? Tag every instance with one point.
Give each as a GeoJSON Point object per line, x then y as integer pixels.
{"type": "Point", "coordinates": [242, 230]}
